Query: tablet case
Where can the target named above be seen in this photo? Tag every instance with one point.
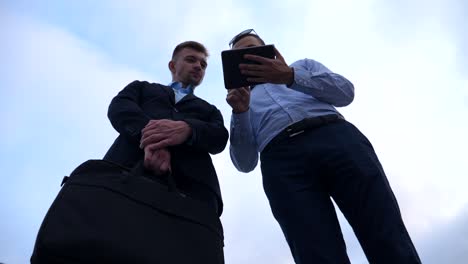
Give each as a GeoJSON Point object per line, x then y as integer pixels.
{"type": "Point", "coordinates": [231, 60]}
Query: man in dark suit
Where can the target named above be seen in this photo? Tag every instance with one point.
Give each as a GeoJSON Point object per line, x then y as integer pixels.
{"type": "Point", "coordinates": [170, 128]}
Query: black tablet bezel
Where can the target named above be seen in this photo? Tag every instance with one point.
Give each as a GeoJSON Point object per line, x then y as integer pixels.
{"type": "Point", "coordinates": [231, 59]}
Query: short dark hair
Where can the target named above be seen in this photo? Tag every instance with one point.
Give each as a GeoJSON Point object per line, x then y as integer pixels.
{"type": "Point", "coordinates": [189, 44]}
{"type": "Point", "coordinates": [243, 34]}
{"type": "Point", "coordinates": [249, 35]}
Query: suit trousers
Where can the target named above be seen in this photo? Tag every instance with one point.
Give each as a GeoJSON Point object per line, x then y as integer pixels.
{"type": "Point", "coordinates": [301, 175]}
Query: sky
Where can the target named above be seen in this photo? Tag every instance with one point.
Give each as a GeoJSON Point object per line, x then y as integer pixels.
{"type": "Point", "coordinates": [63, 61]}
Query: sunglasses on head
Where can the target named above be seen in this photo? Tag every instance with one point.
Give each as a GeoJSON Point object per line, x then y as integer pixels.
{"type": "Point", "coordinates": [241, 35]}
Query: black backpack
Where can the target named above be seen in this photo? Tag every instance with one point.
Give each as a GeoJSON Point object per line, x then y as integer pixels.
{"type": "Point", "coordinates": [106, 213]}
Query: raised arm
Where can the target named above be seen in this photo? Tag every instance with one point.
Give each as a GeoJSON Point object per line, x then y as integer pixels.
{"type": "Point", "coordinates": [313, 78]}
{"type": "Point", "coordinates": [307, 76]}
{"type": "Point", "coordinates": [125, 113]}
{"type": "Point", "coordinates": [209, 135]}
{"type": "Point", "coordinates": [243, 149]}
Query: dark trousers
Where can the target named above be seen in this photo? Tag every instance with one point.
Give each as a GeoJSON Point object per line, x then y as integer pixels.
{"type": "Point", "coordinates": [300, 176]}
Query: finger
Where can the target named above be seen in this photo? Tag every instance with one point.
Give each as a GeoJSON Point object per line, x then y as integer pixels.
{"type": "Point", "coordinates": [146, 162]}
{"type": "Point", "coordinates": [149, 132]}
{"type": "Point", "coordinates": [256, 58]}
{"type": "Point", "coordinates": [149, 128]}
{"type": "Point", "coordinates": [161, 129]}
{"type": "Point", "coordinates": [155, 138]}
{"type": "Point", "coordinates": [155, 127]}
{"type": "Point", "coordinates": [244, 91]}
{"type": "Point", "coordinates": [151, 124]}
{"type": "Point", "coordinates": [253, 73]}
{"type": "Point", "coordinates": [148, 158]}
{"type": "Point", "coordinates": [156, 124]}
{"type": "Point", "coordinates": [232, 99]}
{"type": "Point", "coordinates": [251, 67]}
{"type": "Point", "coordinates": [240, 94]}
{"type": "Point", "coordinates": [158, 145]}
{"type": "Point", "coordinates": [165, 166]}
{"type": "Point", "coordinates": [157, 155]}
{"type": "Point", "coordinates": [260, 79]}
{"type": "Point", "coordinates": [233, 92]}
{"type": "Point", "coordinates": [161, 159]}
{"type": "Point", "coordinates": [144, 140]}
{"type": "Point", "coordinates": [164, 154]}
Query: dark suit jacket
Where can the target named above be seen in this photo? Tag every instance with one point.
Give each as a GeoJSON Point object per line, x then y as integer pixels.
{"type": "Point", "coordinates": [140, 102]}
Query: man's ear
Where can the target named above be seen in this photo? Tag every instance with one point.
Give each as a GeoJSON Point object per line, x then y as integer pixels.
{"type": "Point", "coordinates": [171, 66]}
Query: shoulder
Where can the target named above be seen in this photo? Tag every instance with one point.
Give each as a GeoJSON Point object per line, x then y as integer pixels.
{"type": "Point", "coordinates": [145, 87]}
{"type": "Point", "coordinates": [138, 83]}
{"type": "Point", "coordinates": [310, 65]}
{"type": "Point", "coordinates": [205, 103]}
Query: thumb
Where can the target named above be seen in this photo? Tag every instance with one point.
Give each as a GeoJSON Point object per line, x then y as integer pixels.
{"type": "Point", "coordinates": [166, 166]}
{"type": "Point", "coordinates": [147, 159]}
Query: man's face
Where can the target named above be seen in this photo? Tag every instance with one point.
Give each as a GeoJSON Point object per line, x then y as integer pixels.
{"type": "Point", "coordinates": [188, 67]}
{"type": "Point", "coordinates": [248, 41]}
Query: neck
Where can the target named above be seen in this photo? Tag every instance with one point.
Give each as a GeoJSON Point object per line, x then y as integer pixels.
{"type": "Point", "coordinates": [184, 85]}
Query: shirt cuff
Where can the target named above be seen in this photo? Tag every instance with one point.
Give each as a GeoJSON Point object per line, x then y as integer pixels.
{"type": "Point", "coordinates": [305, 79]}
{"type": "Point", "coordinates": [191, 139]}
{"type": "Point", "coordinates": [240, 126]}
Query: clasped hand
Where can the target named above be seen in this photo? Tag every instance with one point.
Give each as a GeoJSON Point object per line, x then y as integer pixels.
{"type": "Point", "coordinates": [156, 137]}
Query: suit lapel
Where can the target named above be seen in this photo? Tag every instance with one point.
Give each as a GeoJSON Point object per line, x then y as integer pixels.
{"type": "Point", "coordinates": [170, 93]}
{"type": "Point", "coordinates": [187, 98]}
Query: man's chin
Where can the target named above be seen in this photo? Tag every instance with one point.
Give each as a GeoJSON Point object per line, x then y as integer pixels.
{"type": "Point", "coordinates": [196, 82]}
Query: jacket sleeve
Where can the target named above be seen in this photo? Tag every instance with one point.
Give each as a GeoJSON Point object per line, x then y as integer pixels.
{"type": "Point", "coordinates": [209, 135]}
{"type": "Point", "coordinates": [125, 113]}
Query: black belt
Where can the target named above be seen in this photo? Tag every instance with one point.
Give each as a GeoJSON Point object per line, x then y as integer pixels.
{"type": "Point", "coordinates": [303, 125]}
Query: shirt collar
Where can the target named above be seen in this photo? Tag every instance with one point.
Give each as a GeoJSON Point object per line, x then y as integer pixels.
{"type": "Point", "coordinates": [177, 86]}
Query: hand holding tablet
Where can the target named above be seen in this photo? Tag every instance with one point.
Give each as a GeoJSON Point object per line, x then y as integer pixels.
{"type": "Point", "coordinates": [233, 78]}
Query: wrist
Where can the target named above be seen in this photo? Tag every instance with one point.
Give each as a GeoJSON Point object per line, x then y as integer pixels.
{"type": "Point", "coordinates": [240, 110]}
{"type": "Point", "coordinates": [186, 127]}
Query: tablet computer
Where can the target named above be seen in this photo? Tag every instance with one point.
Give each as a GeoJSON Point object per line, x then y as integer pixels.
{"type": "Point", "coordinates": [231, 60]}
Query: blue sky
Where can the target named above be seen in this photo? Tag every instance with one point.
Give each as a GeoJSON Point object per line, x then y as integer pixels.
{"type": "Point", "coordinates": [63, 61]}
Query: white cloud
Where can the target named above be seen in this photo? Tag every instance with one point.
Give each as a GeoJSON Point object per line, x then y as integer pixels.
{"type": "Point", "coordinates": [248, 223]}
{"type": "Point", "coordinates": [55, 92]}
{"type": "Point", "coordinates": [400, 20]}
{"type": "Point", "coordinates": [56, 77]}
{"type": "Point", "coordinates": [404, 59]}
{"type": "Point", "coordinates": [447, 243]}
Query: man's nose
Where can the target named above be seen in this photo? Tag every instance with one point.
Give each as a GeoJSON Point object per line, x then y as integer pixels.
{"type": "Point", "coordinates": [198, 65]}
